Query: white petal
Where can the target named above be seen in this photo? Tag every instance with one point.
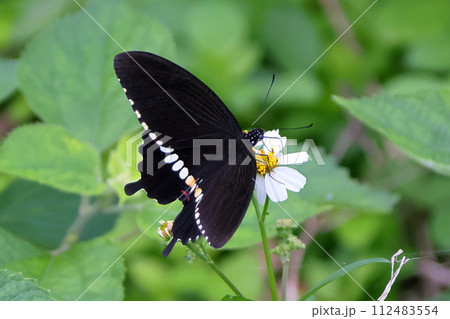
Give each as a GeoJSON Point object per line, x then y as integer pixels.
{"type": "Point", "coordinates": [293, 158]}
{"type": "Point", "coordinates": [260, 189]}
{"type": "Point", "coordinates": [273, 141]}
{"type": "Point", "coordinates": [275, 190]}
{"type": "Point", "coordinates": [293, 180]}
{"type": "Point", "coordinates": [272, 133]}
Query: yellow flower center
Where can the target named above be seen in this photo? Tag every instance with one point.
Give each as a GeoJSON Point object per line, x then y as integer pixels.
{"type": "Point", "coordinates": [265, 162]}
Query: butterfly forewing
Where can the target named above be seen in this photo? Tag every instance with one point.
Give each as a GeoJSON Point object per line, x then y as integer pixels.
{"type": "Point", "coordinates": [172, 101]}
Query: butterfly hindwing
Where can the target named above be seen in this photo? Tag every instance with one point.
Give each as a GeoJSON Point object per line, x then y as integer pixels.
{"type": "Point", "coordinates": [158, 179]}
{"type": "Point", "coordinates": [184, 227]}
{"type": "Point", "coordinates": [226, 196]}
{"type": "Point", "coordinates": [217, 207]}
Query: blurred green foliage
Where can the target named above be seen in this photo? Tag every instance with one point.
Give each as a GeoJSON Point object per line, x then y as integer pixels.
{"type": "Point", "coordinates": [384, 137]}
{"type": "Point", "coordinates": [13, 287]}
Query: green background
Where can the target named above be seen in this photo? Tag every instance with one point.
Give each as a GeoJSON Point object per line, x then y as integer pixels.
{"type": "Point", "coordinates": [379, 100]}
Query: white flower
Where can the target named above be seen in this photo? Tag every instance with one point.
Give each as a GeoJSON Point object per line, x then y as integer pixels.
{"type": "Point", "coordinates": [271, 178]}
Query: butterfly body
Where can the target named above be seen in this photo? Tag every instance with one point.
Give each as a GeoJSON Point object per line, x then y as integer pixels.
{"type": "Point", "coordinates": [193, 148]}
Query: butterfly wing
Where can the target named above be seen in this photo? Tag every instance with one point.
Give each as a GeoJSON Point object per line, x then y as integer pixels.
{"type": "Point", "coordinates": [170, 100]}
{"type": "Point", "coordinates": [174, 107]}
{"type": "Point", "coordinates": [226, 196]}
{"type": "Point", "coordinates": [217, 211]}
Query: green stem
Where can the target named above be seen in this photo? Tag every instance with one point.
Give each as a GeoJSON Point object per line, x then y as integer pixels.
{"type": "Point", "coordinates": [86, 211]}
{"type": "Point", "coordinates": [270, 272]}
{"type": "Point", "coordinates": [203, 254]}
{"type": "Point", "coordinates": [284, 278]}
{"type": "Point", "coordinates": [117, 209]}
{"type": "Point", "coordinates": [266, 206]}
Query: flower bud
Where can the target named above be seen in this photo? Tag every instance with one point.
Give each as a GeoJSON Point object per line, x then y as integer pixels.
{"type": "Point", "coordinates": [165, 230]}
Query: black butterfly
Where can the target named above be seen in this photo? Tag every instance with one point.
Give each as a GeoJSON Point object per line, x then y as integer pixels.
{"type": "Point", "coordinates": [185, 122]}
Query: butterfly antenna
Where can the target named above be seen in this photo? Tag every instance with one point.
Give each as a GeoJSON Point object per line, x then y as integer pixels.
{"type": "Point", "coordinates": [264, 144]}
{"type": "Point", "coordinates": [270, 149]}
{"type": "Point", "coordinates": [296, 128]}
{"type": "Point", "coordinates": [270, 87]}
{"type": "Point", "coordinates": [258, 160]}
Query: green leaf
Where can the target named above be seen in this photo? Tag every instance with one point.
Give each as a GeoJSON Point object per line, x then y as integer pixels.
{"type": "Point", "coordinates": [8, 82]}
{"type": "Point", "coordinates": [417, 123]}
{"type": "Point", "coordinates": [14, 249]}
{"type": "Point", "coordinates": [408, 83]}
{"type": "Point", "coordinates": [37, 213]}
{"type": "Point", "coordinates": [71, 273]}
{"type": "Point", "coordinates": [52, 157]}
{"type": "Point", "coordinates": [93, 267]}
{"type": "Point", "coordinates": [343, 191]}
{"type": "Point", "coordinates": [70, 80]}
{"type": "Point", "coordinates": [123, 170]}
{"type": "Point", "coordinates": [21, 256]}
{"type": "Point", "coordinates": [13, 287]}
{"type": "Point", "coordinates": [5, 180]}
{"type": "Point", "coordinates": [341, 272]}
{"type": "Point", "coordinates": [42, 215]}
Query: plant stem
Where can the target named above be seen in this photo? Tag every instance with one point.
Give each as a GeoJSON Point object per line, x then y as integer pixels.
{"type": "Point", "coordinates": [203, 254]}
{"type": "Point", "coordinates": [117, 209]}
{"type": "Point", "coordinates": [86, 211]}
{"type": "Point", "coordinates": [284, 278]}
{"type": "Point", "coordinates": [264, 213]}
{"type": "Point", "coordinates": [270, 272]}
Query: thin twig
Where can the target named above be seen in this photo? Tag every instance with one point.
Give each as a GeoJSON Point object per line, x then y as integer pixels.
{"type": "Point", "coordinates": [394, 274]}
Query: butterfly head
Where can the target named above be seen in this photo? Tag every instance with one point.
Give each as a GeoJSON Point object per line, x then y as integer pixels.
{"type": "Point", "coordinates": [254, 135]}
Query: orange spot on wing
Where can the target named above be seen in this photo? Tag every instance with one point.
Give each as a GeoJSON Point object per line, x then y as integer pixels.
{"type": "Point", "coordinates": [197, 192]}
{"type": "Point", "coordinates": [190, 180]}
